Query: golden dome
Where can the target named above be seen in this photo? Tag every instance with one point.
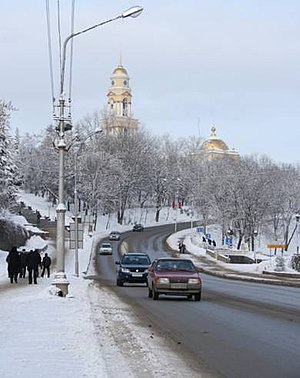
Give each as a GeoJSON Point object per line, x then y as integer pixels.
{"type": "Point", "coordinates": [213, 143]}
{"type": "Point", "coordinates": [120, 70]}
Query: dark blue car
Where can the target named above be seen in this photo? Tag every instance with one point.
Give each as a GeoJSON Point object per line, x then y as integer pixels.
{"type": "Point", "coordinates": [133, 268]}
{"type": "Point", "coordinates": [138, 227]}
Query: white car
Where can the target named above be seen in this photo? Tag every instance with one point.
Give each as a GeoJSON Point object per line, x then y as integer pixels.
{"type": "Point", "coordinates": [114, 235]}
{"type": "Point", "coordinates": [105, 249]}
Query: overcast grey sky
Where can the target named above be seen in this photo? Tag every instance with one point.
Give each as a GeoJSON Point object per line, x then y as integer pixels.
{"type": "Point", "coordinates": [234, 63]}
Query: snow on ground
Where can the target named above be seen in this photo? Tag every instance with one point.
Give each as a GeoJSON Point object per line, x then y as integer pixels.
{"type": "Point", "coordinates": [90, 333]}
{"type": "Point", "coordinates": [194, 244]}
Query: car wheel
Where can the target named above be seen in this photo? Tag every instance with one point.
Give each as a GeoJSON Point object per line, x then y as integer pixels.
{"type": "Point", "coordinates": [154, 294]}
{"type": "Point", "coordinates": [120, 283]}
{"type": "Point", "coordinates": [149, 293]}
{"type": "Point", "coordinates": [189, 297]}
{"type": "Point", "coordinates": [198, 297]}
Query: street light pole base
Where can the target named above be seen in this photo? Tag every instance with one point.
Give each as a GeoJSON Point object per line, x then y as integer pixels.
{"type": "Point", "coordinates": [61, 282]}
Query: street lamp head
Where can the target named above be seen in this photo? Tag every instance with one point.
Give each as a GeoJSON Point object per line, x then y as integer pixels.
{"type": "Point", "coordinates": [132, 12]}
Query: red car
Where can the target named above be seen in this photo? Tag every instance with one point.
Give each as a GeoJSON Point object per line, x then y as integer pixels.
{"type": "Point", "coordinates": [172, 276]}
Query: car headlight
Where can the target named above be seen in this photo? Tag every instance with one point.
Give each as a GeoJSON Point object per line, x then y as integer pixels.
{"type": "Point", "coordinates": [194, 281]}
{"type": "Point", "coordinates": [163, 280]}
{"type": "Point", "coordinates": [125, 270]}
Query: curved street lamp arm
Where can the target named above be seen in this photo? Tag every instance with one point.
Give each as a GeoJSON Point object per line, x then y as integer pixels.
{"type": "Point", "coordinates": [63, 65]}
{"type": "Point", "coordinates": [131, 12]}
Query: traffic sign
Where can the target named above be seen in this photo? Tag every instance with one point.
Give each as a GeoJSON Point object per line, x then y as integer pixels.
{"type": "Point", "coordinates": [228, 240]}
{"type": "Point", "coordinates": [276, 246]}
{"type": "Point", "coordinates": [73, 235]}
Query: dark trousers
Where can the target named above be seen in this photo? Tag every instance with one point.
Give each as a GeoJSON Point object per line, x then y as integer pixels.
{"type": "Point", "coordinates": [23, 272]}
{"type": "Point", "coordinates": [35, 275]}
{"type": "Point", "coordinates": [48, 271]}
{"type": "Point", "coordinates": [13, 277]}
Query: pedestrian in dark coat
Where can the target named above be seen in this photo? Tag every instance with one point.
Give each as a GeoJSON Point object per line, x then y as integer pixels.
{"type": "Point", "coordinates": [33, 263]}
{"type": "Point", "coordinates": [38, 217]}
{"type": "Point", "coordinates": [46, 265]}
{"type": "Point", "coordinates": [13, 264]}
{"type": "Point", "coordinates": [23, 256]}
{"type": "Point", "coordinates": [181, 248]}
{"type": "Point", "coordinates": [180, 245]}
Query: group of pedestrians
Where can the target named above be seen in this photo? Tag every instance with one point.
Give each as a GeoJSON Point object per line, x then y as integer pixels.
{"type": "Point", "coordinates": [19, 262]}
{"type": "Point", "coordinates": [209, 241]}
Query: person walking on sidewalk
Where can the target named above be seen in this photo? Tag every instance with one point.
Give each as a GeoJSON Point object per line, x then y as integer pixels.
{"type": "Point", "coordinates": [13, 260]}
{"type": "Point", "coordinates": [33, 263]}
{"type": "Point", "coordinates": [23, 256]}
{"type": "Point", "coordinates": [46, 265]}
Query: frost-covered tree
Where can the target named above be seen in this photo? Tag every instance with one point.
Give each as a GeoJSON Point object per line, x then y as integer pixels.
{"type": "Point", "coordinates": [290, 180]}
{"type": "Point", "coordinates": [7, 165]}
{"type": "Point", "coordinates": [16, 142]}
{"type": "Point", "coordinates": [128, 170]}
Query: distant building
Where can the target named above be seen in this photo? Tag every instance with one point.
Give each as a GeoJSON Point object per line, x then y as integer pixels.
{"type": "Point", "coordinates": [119, 116]}
{"type": "Point", "coordinates": [214, 147]}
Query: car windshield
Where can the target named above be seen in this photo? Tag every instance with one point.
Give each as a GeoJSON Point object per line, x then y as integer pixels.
{"type": "Point", "coordinates": [106, 245]}
{"type": "Point", "coordinates": [178, 265]}
{"type": "Point", "coordinates": [136, 260]}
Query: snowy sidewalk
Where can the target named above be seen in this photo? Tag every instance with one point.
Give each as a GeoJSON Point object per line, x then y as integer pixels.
{"type": "Point", "coordinates": [44, 335]}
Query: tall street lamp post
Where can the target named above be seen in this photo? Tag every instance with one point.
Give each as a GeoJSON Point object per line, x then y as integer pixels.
{"type": "Point", "coordinates": [255, 233]}
{"type": "Point", "coordinates": [60, 279]}
{"type": "Point", "coordinates": [177, 205]}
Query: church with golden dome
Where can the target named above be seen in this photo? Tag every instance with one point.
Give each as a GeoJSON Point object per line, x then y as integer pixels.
{"type": "Point", "coordinates": [213, 148]}
{"type": "Point", "coordinates": [119, 116]}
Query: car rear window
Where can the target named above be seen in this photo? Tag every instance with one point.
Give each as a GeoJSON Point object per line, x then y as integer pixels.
{"type": "Point", "coordinates": [178, 265]}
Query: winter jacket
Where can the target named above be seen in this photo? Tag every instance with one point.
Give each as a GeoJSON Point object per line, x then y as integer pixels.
{"type": "Point", "coordinates": [14, 262]}
{"type": "Point", "coordinates": [23, 257]}
{"type": "Point", "coordinates": [46, 261]}
{"type": "Point", "coordinates": [34, 259]}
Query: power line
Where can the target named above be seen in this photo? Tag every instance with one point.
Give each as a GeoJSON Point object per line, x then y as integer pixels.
{"type": "Point", "coordinates": [71, 55]}
{"type": "Point", "coordinates": [59, 32]}
{"type": "Point", "coordinates": [50, 52]}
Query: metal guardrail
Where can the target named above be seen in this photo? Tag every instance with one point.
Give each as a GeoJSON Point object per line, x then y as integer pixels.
{"type": "Point", "coordinates": [216, 254]}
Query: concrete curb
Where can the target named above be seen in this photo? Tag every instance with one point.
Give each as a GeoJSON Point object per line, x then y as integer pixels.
{"type": "Point", "coordinates": [261, 280]}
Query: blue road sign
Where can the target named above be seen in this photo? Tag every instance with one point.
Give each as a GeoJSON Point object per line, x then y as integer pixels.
{"type": "Point", "coordinates": [228, 240]}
